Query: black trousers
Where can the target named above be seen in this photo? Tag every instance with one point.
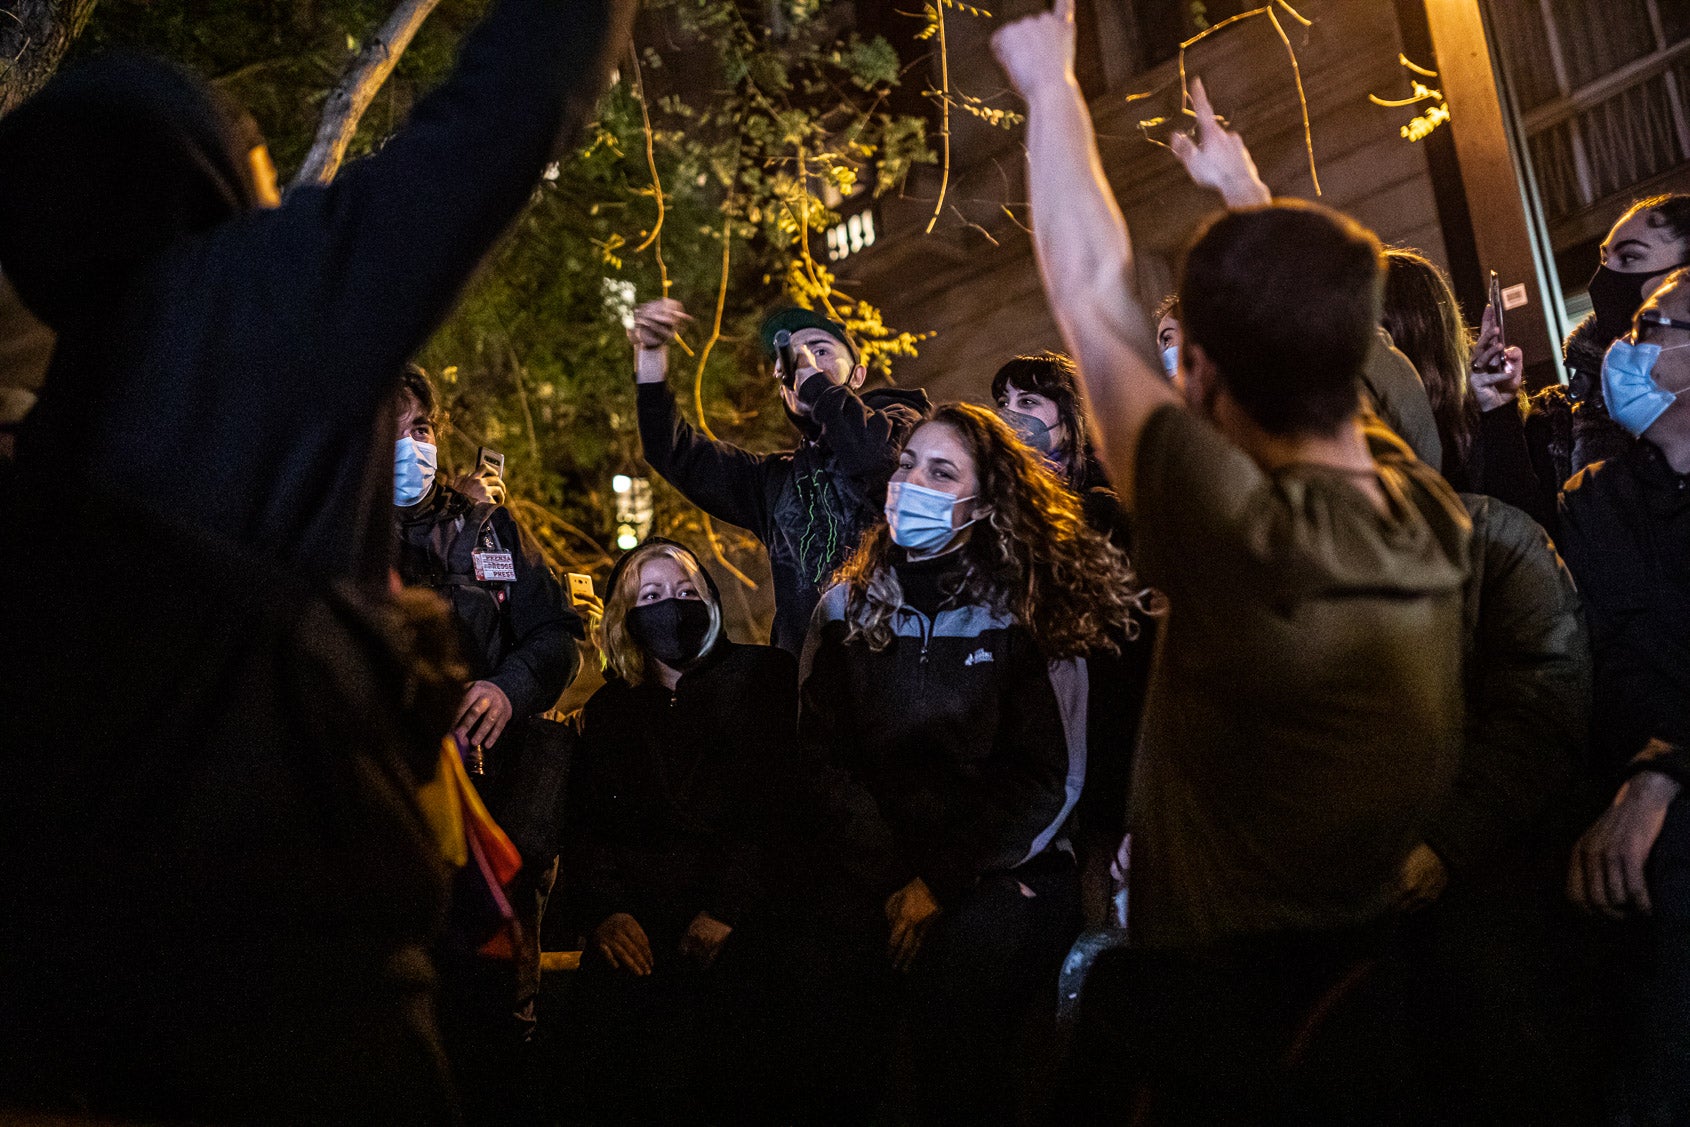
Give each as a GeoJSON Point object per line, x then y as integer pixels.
{"type": "Point", "coordinates": [1289, 1029]}
{"type": "Point", "coordinates": [1652, 1082]}
{"type": "Point", "coordinates": [679, 1045]}
{"type": "Point", "coordinates": [980, 1000]}
{"type": "Point", "coordinates": [958, 1039]}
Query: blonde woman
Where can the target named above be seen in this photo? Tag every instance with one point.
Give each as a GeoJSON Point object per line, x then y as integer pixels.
{"type": "Point", "coordinates": [669, 791]}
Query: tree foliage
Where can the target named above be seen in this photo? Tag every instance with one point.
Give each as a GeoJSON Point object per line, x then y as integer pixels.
{"type": "Point", "coordinates": [755, 123]}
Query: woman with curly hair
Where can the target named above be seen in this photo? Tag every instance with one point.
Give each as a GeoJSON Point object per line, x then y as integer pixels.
{"type": "Point", "coordinates": [944, 694]}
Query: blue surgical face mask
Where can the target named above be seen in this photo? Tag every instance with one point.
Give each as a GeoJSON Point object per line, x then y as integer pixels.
{"type": "Point", "coordinates": [1634, 399]}
{"type": "Point", "coordinates": [1170, 360]}
{"type": "Point", "coordinates": [413, 471]}
{"type": "Point", "coordinates": [920, 518]}
{"type": "Point", "coordinates": [1029, 429]}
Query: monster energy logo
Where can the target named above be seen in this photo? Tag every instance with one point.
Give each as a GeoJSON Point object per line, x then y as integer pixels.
{"type": "Point", "coordinates": [813, 495]}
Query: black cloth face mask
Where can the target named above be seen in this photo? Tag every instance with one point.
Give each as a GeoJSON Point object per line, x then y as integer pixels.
{"type": "Point", "coordinates": [672, 631]}
{"type": "Point", "coordinates": [1617, 297]}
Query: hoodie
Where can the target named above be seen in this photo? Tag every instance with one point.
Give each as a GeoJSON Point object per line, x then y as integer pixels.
{"type": "Point", "coordinates": [219, 889]}
{"type": "Point", "coordinates": [232, 366]}
{"type": "Point", "coordinates": [809, 505]}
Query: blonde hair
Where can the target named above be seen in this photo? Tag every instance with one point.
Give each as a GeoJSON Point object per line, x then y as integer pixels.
{"type": "Point", "coordinates": [621, 654]}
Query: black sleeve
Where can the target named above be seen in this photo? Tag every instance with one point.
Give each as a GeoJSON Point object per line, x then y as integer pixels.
{"type": "Point", "coordinates": [1507, 472]}
{"type": "Point", "coordinates": [1642, 651]}
{"type": "Point", "coordinates": [542, 659]}
{"type": "Point", "coordinates": [830, 806]}
{"type": "Point", "coordinates": [1529, 692]}
{"type": "Point", "coordinates": [994, 820]}
{"type": "Point", "coordinates": [384, 248]}
{"type": "Point", "coordinates": [864, 440]}
{"type": "Point", "coordinates": [722, 479]}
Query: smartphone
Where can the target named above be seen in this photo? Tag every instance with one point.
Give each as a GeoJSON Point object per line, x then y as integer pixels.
{"type": "Point", "coordinates": [1496, 308]}
{"type": "Point", "coordinates": [788, 358]}
{"type": "Point", "coordinates": [580, 587]}
{"type": "Point", "coordinates": [491, 459]}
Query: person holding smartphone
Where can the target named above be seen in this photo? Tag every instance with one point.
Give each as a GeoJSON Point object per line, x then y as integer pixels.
{"type": "Point", "coordinates": [807, 505]}
{"type": "Point", "coordinates": [519, 633]}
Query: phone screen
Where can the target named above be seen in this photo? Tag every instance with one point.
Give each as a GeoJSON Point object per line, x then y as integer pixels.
{"type": "Point", "coordinates": [1496, 305]}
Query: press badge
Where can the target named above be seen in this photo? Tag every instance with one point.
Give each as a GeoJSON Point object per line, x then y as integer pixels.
{"type": "Point", "coordinates": [493, 567]}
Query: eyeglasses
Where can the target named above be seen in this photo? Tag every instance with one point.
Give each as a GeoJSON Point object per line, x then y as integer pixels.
{"type": "Point", "coordinates": [1663, 322]}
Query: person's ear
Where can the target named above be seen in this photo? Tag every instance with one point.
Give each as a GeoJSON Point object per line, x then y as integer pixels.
{"type": "Point", "coordinates": [858, 375]}
{"type": "Point", "coordinates": [983, 513]}
{"type": "Point", "coordinates": [1201, 375]}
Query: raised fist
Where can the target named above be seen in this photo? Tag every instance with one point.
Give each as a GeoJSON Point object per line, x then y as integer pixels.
{"type": "Point", "coordinates": [1039, 50]}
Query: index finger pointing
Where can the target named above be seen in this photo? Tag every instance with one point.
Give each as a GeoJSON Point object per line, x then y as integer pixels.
{"type": "Point", "coordinates": [1201, 106]}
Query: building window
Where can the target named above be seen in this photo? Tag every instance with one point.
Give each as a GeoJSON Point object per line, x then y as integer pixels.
{"type": "Point", "coordinates": [1603, 92]}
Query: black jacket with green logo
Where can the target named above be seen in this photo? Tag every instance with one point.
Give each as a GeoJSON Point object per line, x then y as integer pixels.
{"type": "Point", "coordinates": [809, 505]}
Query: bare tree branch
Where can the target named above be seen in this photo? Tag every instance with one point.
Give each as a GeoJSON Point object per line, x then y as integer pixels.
{"type": "Point", "coordinates": [33, 39]}
{"type": "Point", "coordinates": [347, 101]}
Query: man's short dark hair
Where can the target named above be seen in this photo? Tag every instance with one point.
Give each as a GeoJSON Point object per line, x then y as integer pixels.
{"type": "Point", "coordinates": [1285, 300]}
{"type": "Point", "coordinates": [417, 385]}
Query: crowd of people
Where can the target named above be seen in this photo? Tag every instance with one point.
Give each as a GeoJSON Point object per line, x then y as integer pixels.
{"type": "Point", "coordinates": [1271, 632]}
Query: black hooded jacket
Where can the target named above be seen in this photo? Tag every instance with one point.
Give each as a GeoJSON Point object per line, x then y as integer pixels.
{"type": "Point", "coordinates": [232, 366]}
{"type": "Point", "coordinates": [672, 793]}
{"type": "Point", "coordinates": [217, 886]}
{"type": "Point", "coordinates": [1626, 534]}
{"type": "Point", "coordinates": [808, 506]}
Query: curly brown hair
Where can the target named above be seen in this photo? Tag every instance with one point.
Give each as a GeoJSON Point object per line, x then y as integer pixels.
{"type": "Point", "coordinates": [1033, 557]}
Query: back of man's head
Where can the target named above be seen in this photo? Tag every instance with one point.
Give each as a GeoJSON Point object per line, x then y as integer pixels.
{"type": "Point", "coordinates": [106, 167]}
{"type": "Point", "coordinates": [1284, 300]}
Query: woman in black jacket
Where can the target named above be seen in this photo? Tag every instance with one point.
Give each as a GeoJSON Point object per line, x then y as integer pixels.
{"type": "Point", "coordinates": [669, 790]}
{"type": "Point", "coordinates": [944, 702]}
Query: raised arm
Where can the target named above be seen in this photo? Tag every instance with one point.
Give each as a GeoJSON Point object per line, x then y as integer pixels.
{"type": "Point", "coordinates": [865, 439]}
{"type": "Point", "coordinates": [720, 478]}
{"type": "Point", "coordinates": [1081, 241]}
{"type": "Point", "coordinates": [392, 240]}
{"type": "Point", "coordinates": [1215, 157]}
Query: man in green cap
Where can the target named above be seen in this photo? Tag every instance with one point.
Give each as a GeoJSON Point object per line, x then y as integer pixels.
{"type": "Point", "coordinates": [807, 505]}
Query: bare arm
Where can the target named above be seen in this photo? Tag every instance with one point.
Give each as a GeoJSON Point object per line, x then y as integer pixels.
{"type": "Point", "coordinates": [1081, 241]}
{"type": "Point", "coordinates": [1217, 158]}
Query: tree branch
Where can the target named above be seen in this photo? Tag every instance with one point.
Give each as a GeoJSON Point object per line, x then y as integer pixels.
{"type": "Point", "coordinates": [33, 39]}
{"type": "Point", "coordinates": [347, 101]}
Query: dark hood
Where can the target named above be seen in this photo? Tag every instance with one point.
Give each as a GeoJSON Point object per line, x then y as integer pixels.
{"type": "Point", "coordinates": [104, 169]}
{"type": "Point", "coordinates": [621, 563]}
{"type": "Point", "coordinates": [879, 398]}
{"type": "Point", "coordinates": [913, 397]}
